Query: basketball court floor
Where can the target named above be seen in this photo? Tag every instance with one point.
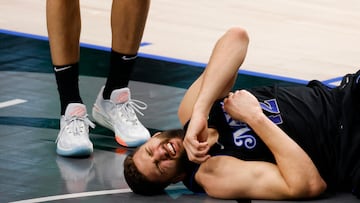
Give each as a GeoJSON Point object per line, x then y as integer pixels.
{"type": "Point", "coordinates": [291, 42]}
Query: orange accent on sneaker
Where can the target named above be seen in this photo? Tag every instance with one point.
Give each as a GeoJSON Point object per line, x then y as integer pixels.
{"type": "Point", "coordinates": [123, 97]}
{"type": "Point", "coordinates": [77, 111]}
{"type": "Point", "coordinates": [120, 141]}
{"type": "Point", "coordinates": [121, 150]}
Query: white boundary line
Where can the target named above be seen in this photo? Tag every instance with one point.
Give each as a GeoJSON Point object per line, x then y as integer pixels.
{"type": "Point", "coordinates": [74, 195]}
{"type": "Point", "coordinates": [11, 102]}
{"type": "Point", "coordinates": [85, 194]}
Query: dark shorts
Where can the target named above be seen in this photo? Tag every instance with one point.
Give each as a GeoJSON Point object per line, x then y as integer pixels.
{"type": "Point", "coordinates": [349, 136]}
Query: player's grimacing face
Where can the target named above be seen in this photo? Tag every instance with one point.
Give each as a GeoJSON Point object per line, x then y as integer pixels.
{"type": "Point", "coordinates": [159, 159]}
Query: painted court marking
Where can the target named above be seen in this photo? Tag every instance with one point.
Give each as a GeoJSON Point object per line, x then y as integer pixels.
{"type": "Point", "coordinates": [83, 194]}
{"type": "Point", "coordinates": [11, 103]}
{"type": "Point", "coordinates": [74, 195]}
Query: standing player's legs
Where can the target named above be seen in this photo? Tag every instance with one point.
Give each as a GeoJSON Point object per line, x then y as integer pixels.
{"type": "Point", "coordinates": [64, 25]}
{"type": "Point", "coordinates": [114, 107]}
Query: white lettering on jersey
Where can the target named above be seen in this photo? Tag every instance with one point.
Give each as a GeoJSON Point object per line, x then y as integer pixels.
{"type": "Point", "coordinates": [241, 134]}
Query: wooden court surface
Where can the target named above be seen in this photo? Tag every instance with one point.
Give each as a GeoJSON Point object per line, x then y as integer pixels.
{"type": "Point", "coordinates": [301, 40]}
{"type": "Point", "coordinates": [304, 39]}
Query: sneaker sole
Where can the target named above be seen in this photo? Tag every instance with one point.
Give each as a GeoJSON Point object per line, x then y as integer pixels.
{"type": "Point", "coordinates": [80, 152]}
{"type": "Point", "coordinates": [101, 119]}
{"type": "Point", "coordinates": [129, 144]}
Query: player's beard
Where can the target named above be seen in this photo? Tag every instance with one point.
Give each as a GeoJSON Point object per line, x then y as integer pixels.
{"type": "Point", "coordinates": [182, 162]}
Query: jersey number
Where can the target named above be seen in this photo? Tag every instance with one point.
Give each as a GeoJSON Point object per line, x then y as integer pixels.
{"type": "Point", "coordinates": [240, 129]}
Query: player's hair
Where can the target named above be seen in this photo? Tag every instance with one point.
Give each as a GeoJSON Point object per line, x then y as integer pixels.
{"type": "Point", "coordinates": [137, 182]}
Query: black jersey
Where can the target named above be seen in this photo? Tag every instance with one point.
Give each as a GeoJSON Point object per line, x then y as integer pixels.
{"type": "Point", "coordinates": [311, 115]}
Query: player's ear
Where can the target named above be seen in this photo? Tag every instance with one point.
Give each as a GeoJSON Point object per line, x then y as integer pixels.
{"type": "Point", "coordinates": [156, 134]}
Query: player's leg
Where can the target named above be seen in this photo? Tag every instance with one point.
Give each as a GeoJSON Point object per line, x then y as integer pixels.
{"type": "Point", "coordinates": [128, 18]}
{"type": "Point", "coordinates": [64, 25]}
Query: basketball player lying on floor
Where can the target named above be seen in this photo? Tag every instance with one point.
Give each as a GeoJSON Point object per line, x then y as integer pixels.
{"type": "Point", "coordinates": [276, 142]}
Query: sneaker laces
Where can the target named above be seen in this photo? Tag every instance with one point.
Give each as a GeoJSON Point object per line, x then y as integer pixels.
{"type": "Point", "coordinates": [73, 123]}
{"type": "Point", "coordinates": [128, 109]}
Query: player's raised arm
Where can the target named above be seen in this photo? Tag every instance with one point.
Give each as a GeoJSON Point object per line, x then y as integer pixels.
{"type": "Point", "coordinates": [216, 81]}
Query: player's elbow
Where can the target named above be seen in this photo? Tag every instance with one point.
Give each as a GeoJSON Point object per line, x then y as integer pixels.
{"type": "Point", "coordinates": [214, 193]}
{"type": "Point", "coordinates": [239, 34]}
{"type": "Point", "coordinates": [316, 188]}
{"type": "Point", "coordinates": [214, 179]}
{"type": "Point", "coordinates": [311, 189]}
{"type": "Point", "coordinates": [210, 179]}
{"type": "Point", "coordinates": [213, 190]}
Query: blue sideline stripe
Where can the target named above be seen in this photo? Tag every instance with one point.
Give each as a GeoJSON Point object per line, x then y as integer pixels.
{"type": "Point", "coordinates": [163, 58]}
{"type": "Point", "coordinates": [275, 77]}
{"type": "Point", "coordinates": [26, 35]}
{"type": "Point", "coordinates": [43, 38]}
{"type": "Point", "coordinates": [107, 49]}
{"type": "Point", "coordinates": [245, 72]}
{"type": "Point", "coordinates": [332, 80]}
{"type": "Point", "coordinates": [173, 60]}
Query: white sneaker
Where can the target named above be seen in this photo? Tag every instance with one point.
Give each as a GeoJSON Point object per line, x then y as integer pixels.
{"type": "Point", "coordinates": [73, 138]}
{"type": "Point", "coordinates": [118, 114]}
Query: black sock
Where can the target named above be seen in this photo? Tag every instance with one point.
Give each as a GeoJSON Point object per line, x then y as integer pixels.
{"type": "Point", "coordinates": [121, 67]}
{"type": "Point", "coordinates": [67, 80]}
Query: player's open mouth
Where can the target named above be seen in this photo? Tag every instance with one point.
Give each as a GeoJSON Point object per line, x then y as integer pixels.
{"type": "Point", "coordinates": [171, 149]}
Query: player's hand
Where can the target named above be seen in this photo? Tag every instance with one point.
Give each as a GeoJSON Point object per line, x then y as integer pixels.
{"type": "Point", "coordinates": [242, 105]}
{"type": "Point", "coordinates": [195, 141]}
